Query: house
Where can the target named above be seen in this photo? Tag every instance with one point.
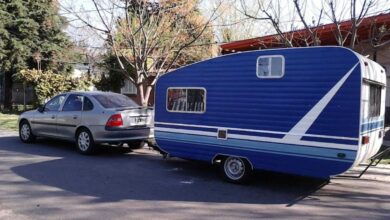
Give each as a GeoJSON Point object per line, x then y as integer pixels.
{"type": "Point", "coordinates": [326, 36]}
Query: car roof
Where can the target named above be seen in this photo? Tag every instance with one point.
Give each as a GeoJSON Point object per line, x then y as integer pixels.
{"type": "Point", "coordinates": [91, 93]}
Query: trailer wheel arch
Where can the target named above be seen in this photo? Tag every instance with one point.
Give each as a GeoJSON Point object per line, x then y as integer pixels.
{"type": "Point", "coordinates": [219, 158]}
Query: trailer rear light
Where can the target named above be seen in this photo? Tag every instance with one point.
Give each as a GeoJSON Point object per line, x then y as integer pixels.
{"type": "Point", "coordinates": [115, 121]}
{"type": "Point", "coordinates": [365, 139]}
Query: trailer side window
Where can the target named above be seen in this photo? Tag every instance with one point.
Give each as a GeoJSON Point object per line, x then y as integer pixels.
{"type": "Point", "coordinates": [186, 100]}
{"type": "Point", "coordinates": [375, 100]}
{"type": "Point", "coordinates": [270, 66]}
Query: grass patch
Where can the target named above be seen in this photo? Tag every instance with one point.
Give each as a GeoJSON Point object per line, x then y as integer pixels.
{"type": "Point", "coordinates": [386, 160]}
{"type": "Point", "coordinates": [8, 121]}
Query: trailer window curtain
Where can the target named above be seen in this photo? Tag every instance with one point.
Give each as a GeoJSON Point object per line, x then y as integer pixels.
{"type": "Point", "coordinates": [186, 100]}
{"type": "Point", "coordinates": [375, 100]}
{"type": "Point", "coordinates": [270, 66]}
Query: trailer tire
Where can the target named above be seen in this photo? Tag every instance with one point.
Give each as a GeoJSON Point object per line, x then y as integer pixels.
{"type": "Point", "coordinates": [236, 170]}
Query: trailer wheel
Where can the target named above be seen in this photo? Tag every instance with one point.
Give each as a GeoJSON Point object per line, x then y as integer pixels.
{"type": "Point", "coordinates": [236, 170]}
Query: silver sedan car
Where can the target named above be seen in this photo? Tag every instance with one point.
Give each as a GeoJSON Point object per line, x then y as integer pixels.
{"type": "Point", "coordinates": [89, 118]}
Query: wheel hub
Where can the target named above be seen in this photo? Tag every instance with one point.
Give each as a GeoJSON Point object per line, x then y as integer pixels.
{"type": "Point", "coordinates": [25, 131]}
{"type": "Point", "coordinates": [234, 168]}
{"type": "Point", "coordinates": [84, 141]}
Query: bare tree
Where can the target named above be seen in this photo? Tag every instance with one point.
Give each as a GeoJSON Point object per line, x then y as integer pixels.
{"type": "Point", "coordinates": [231, 24]}
{"type": "Point", "coordinates": [357, 11]}
{"type": "Point", "coordinates": [150, 36]}
{"type": "Point", "coordinates": [267, 11]}
{"type": "Point", "coordinates": [380, 36]}
{"type": "Point", "coordinates": [271, 10]}
{"type": "Point", "coordinates": [333, 11]}
{"type": "Point", "coordinates": [310, 38]}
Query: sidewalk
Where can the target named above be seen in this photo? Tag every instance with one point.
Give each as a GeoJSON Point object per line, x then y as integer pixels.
{"type": "Point", "coordinates": [5, 132]}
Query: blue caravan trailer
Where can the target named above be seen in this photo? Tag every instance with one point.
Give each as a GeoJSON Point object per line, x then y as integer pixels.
{"type": "Point", "coordinates": [314, 111]}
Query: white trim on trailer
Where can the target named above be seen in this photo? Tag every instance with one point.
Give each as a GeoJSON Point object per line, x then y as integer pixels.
{"type": "Point", "coordinates": [257, 131]}
{"type": "Point", "coordinates": [262, 139]}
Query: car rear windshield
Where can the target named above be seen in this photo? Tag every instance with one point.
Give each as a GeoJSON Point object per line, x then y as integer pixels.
{"type": "Point", "coordinates": [114, 100]}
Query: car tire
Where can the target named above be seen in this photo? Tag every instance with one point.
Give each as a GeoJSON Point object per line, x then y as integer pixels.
{"type": "Point", "coordinates": [134, 145]}
{"type": "Point", "coordinates": [236, 170]}
{"type": "Point", "coordinates": [84, 141]}
{"type": "Point", "coordinates": [25, 132]}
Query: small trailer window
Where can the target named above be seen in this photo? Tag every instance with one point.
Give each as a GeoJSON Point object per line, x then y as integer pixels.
{"type": "Point", "coordinates": [375, 100]}
{"type": "Point", "coordinates": [186, 100]}
{"type": "Point", "coordinates": [270, 66]}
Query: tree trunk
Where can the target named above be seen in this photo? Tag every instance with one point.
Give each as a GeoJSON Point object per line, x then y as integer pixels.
{"type": "Point", "coordinates": [8, 91]}
{"type": "Point", "coordinates": [141, 94]}
{"type": "Point", "coordinates": [144, 95]}
{"type": "Point", "coordinates": [147, 94]}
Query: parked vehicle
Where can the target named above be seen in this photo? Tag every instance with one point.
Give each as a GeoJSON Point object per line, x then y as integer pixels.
{"type": "Point", "coordinates": [89, 118]}
{"type": "Point", "coordinates": [314, 111]}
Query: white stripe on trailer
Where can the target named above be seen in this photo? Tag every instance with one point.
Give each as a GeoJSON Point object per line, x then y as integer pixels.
{"type": "Point", "coordinates": [258, 131]}
{"type": "Point", "coordinates": [262, 139]}
{"type": "Point", "coordinates": [307, 121]}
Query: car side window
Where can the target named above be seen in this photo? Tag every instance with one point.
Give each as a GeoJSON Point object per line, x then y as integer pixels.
{"type": "Point", "coordinates": [87, 105]}
{"type": "Point", "coordinates": [73, 103]}
{"type": "Point", "coordinates": [55, 103]}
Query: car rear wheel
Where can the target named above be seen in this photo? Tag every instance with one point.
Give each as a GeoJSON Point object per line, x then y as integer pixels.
{"type": "Point", "coordinates": [25, 132]}
{"type": "Point", "coordinates": [236, 170]}
{"type": "Point", "coordinates": [85, 142]}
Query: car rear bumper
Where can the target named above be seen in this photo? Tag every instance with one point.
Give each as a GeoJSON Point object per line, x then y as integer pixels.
{"type": "Point", "coordinates": [101, 135]}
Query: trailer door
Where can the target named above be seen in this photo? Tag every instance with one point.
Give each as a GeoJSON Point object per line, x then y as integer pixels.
{"type": "Point", "coordinates": [372, 126]}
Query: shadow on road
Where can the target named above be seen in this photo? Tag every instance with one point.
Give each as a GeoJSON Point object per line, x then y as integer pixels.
{"type": "Point", "coordinates": [144, 175]}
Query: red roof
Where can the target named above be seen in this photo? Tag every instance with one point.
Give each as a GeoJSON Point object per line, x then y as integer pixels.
{"type": "Point", "coordinates": [325, 34]}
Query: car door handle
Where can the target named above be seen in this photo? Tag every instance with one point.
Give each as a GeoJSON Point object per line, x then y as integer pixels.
{"type": "Point", "coordinates": [75, 116]}
{"type": "Point", "coordinates": [53, 117]}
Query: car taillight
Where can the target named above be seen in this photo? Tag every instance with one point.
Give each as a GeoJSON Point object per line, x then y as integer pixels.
{"type": "Point", "coordinates": [115, 121]}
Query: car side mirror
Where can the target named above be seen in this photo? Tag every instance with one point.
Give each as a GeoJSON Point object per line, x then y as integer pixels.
{"type": "Point", "coordinates": [41, 109]}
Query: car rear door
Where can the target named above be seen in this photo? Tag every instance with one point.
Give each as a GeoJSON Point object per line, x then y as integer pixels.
{"type": "Point", "coordinates": [70, 116]}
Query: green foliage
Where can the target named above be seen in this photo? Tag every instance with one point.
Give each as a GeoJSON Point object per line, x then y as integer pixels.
{"type": "Point", "coordinates": [48, 84]}
{"type": "Point", "coordinates": [31, 33]}
{"type": "Point", "coordinates": [29, 27]}
{"type": "Point", "coordinates": [114, 77]}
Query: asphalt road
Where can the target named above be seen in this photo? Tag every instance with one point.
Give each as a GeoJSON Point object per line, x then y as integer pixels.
{"type": "Point", "coordinates": [50, 180]}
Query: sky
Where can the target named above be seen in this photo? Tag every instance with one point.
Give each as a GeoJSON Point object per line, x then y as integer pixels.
{"type": "Point", "coordinates": [227, 17]}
